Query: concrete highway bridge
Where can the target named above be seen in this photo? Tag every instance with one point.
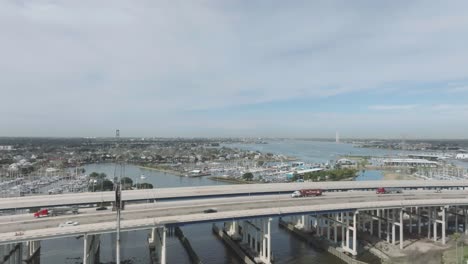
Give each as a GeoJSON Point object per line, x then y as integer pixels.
{"type": "Point", "coordinates": [426, 208]}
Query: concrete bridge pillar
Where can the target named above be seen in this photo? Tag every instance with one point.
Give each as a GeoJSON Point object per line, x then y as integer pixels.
{"type": "Point", "coordinates": [393, 226]}
{"type": "Point", "coordinates": [411, 220]}
{"type": "Point", "coordinates": [418, 212]}
{"type": "Point", "coordinates": [266, 240]}
{"type": "Point", "coordinates": [401, 228]}
{"type": "Point", "coordinates": [91, 246]}
{"type": "Point", "coordinates": [343, 243]}
{"type": "Point", "coordinates": [157, 242]}
{"type": "Point", "coordinates": [11, 253]}
{"type": "Point", "coordinates": [379, 224]}
{"type": "Point", "coordinates": [388, 224]}
{"type": "Point", "coordinates": [434, 222]}
{"type": "Point", "coordinates": [348, 239]}
{"type": "Point", "coordinates": [441, 221]}
{"type": "Point", "coordinates": [299, 221]}
{"type": "Point", "coordinates": [232, 229]}
{"type": "Point", "coordinates": [257, 235]}
{"type": "Point", "coordinates": [429, 222]}
{"type": "Point", "coordinates": [245, 232]}
{"type": "Point", "coordinates": [465, 214]}
{"type": "Point", "coordinates": [335, 228]}
{"type": "Point", "coordinates": [32, 252]}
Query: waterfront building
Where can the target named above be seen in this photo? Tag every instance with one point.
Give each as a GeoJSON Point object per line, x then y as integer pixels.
{"type": "Point", "coordinates": [410, 163]}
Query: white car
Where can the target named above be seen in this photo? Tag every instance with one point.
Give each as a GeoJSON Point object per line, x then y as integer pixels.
{"type": "Point", "coordinates": [69, 223]}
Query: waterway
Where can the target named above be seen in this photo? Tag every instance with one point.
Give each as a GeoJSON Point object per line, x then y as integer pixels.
{"type": "Point", "coordinates": [286, 248]}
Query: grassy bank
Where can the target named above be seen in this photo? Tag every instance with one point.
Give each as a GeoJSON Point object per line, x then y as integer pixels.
{"type": "Point", "coordinates": [165, 170]}
{"type": "Point", "coordinates": [231, 180]}
{"type": "Point", "coordinates": [450, 256]}
{"type": "Point", "coordinates": [392, 175]}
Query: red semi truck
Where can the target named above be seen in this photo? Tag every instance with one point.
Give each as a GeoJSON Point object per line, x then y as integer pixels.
{"type": "Point", "coordinates": [41, 213]}
{"type": "Point", "coordinates": [382, 190]}
{"type": "Point", "coordinates": [306, 193]}
{"type": "Point", "coordinates": [55, 211]}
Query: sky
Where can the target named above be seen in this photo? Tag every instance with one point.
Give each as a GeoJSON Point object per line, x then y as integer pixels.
{"type": "Point", "coordinates": [234, 68]}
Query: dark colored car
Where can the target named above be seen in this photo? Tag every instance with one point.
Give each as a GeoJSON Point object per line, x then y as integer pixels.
{"type": "Point", "coordinates": [211, 210]}
{"type": "Point", "coordinates": [100, 208]}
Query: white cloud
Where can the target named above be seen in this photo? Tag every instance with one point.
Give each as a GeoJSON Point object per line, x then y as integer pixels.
{"type": "Point", "coordinates": [100, 63]}
{"type": "Point", "coordinates": [392, 107]}
{"type": "Point", "coordinates": [458, 89]}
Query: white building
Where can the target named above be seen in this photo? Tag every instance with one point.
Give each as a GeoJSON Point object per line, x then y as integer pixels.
{"type": "Point", "coordinates": [6, 147]}
{"type": "Point", "coordinates": [462, 156]}
{"type": "Point", "coordinates": [410, 163]}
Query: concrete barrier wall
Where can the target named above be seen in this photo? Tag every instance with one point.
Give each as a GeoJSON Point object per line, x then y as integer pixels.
{"type": "Point", "coordinates": [232, 245]}
{"type": "Point", "coordinates": [188, 247]}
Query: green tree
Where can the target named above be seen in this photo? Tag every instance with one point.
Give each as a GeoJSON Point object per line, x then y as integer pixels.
{"type": "Point", "coordinates": [248, 176]}
{"type": "Point", "coordinates": [97, 176]}
{"type": "Point", "coordinates": [126, 181]}
{"type": "Point", "coordinates": [107, 185]}
{"type": "Point", "coordinates": [260, 163]}
{"type": "Point", "coordinates": [143, 185]}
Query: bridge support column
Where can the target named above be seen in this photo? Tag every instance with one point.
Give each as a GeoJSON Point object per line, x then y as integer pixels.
{"type": "Point", "coordinates": [443, 223]}
{"type": "Point", "coordinates": [353, 228]}
{"type": "Point", "coordinates": [299, 221]}
{"type": "Point", "coordinates": [232, 228]}
{"type": "Point", "coordinates": [418, 212]}
{"type": "Point", "coordinates": [335, 228]}
{"type": "Point", "coordinates": [91, 246]}
{"type": "Point", "coordinates": [320, 225]}
{"type": "Point", "coordinates": [33, 252]}
{"type": "Point", "coordinates": [429, 222]}
{"type": "Point", "coordinates": [266, 240]}
{"type": "Point", "coordinates": [379, 224]}
{"type": "Point", "coordinates": [257, 235]}
{"type": "Point", "coordinates": [393, 227]}
{"type": "Point", "coordinates": [401, 228]}
{"type": "Point", "coordinates": [157, 242]}
{"type": "Point", "coordinates": [388, 224]}
{"type": "Point", "coordinates": [343, 243]}
{"type": "Point", "coordinates": [11, 253]}
{"type": "Point", "coordinates": [465, 227]}
{"type": "Point", "coordinates": [434, 222]}
{"type": "Point", "coordinates": [411, 220]}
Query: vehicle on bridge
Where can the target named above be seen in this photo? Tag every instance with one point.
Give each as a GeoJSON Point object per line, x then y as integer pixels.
{"type": "Point", "coordinates": [306, 193]}
{"type": "Point", "coordinates": [55, 191]}
{"type": "Point", "coordinates": [210, 210]}
{"type": "Point", "coordinates": [382, 190]}
{"type": "Point", "coordinates": [41, 213]}
{"type": "Point", "coordinates": [69, 223]}
{"type": "Point", "coordinates": [55, 211]}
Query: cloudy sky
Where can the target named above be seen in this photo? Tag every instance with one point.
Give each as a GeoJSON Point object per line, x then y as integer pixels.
{"type": "Point", "coordinates": [387, 69]}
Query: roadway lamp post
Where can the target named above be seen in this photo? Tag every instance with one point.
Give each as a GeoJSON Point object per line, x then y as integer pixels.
{"type": "Point", "coordinates": [118, 205]}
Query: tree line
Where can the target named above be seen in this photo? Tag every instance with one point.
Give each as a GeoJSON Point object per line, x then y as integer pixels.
{"type": "Point", "coordinates": [327, 175]}
{"type": "Point", "coordinates": [99, 182]}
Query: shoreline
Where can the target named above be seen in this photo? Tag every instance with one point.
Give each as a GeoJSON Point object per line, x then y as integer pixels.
{"type": "Point", "coordinates": [231, 180]}
{"type": "Point", "coordinates": [174, 173]}
{"type": "Point", "coordinates": [391, 175]}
